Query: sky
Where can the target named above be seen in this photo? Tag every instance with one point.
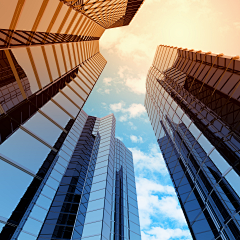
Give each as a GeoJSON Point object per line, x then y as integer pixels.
{"type": "Point", "coordinates": [207, 25]}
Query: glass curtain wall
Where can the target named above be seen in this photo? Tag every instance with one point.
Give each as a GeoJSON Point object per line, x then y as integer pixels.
{"type": "Point", "coordinates": [203, 168]}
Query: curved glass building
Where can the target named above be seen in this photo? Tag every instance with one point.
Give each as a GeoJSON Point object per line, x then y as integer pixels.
{"type": "Point", "coordinates": [193, 103]}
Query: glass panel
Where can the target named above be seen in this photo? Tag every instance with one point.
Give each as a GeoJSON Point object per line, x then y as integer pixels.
{"type": "Point", "coordinates": [234, 180]}
{"type": "Point", "coordinates": [15, 180]}
{"type": "Point", "coordinates": [92, 229]}
{"type": "Point", "coordinates": [98, 186]}
{"type": "Point", "coordinates": [97, 194]}
{"type": "Point", "coordinates": [42, 127]}
{"type": "Point", "coordinates": [219, 161]}
{"type": "Point", "coordinates": [97, 204]}
{"type": "Point", "coordinates": [32, 151]}
{"type": "Point", "coordinates": [205, 144]}
{"type": "Point", "coordinates": [57, 114]}
{"type": "Point", "coordinates": [194, 130]}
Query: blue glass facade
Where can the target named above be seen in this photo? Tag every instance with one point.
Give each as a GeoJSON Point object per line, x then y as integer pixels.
{"type": "Point", "coordinates": [200, 145]}
{"type": "Point", "coordinates": [84, 190]}
{"type": "Point", "coordinates": [125, 218]}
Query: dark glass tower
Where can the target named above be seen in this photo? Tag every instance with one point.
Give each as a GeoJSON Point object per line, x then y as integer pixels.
{"type": "Point", "coordinates": [85, 191]}
{"type": "Point", "coordinates": [192, 101]}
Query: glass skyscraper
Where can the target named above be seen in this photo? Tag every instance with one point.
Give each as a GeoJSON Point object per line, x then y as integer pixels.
{"type": "Point", "coordinates": [49, 64]}
{"type": "Point", "coordinates": [193, 103]}
{"type": "Point", "coordinates": [87, 192]}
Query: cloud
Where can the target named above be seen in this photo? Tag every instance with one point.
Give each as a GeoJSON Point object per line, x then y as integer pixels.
{"type": "Point", "coordinates": [127, 44]}
{"type": "Point", "coordinates": [107, 81]}
{"type": "Point", "coordinates": [136, 139]}
{"type": "Point", "coordinates": [132, 125]}
{"type": "Point", "coordinates": [104, 91]}
{"type": "Point", "coordinates": [107, 91]}
{"type": "Point", "coordinates": [134, 83]}
{"type": "Point", "coordinates": [121, 71]}
{"type": "Point", "coordinates": [151, 161]}
{"type": "Point", "coordinates": [237, 25]}
{"type": "Point", "coordinates": [157, 202]}
{"type": "Point", "coordinates": [157, 233]}
{"type": "Point", "coordinates": [117, 107]}
{"type": "Point", "coordinates": [136, 110]}
{"type": "Point", "coordinates": [133, 111]}
{"type": "Point", "coordinates": [123, 118]}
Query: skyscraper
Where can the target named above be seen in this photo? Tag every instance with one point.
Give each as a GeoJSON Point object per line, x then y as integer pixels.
{"type": "Point", "coordinates": [49, 64]}
{"type": "Point", "coordinates": [50, 50]}
{"type": "Point", "coordinates": [88, 191]}
{"type": "Point", "coordinates": [193, 103]}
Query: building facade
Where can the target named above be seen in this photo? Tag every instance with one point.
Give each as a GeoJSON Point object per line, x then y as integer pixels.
{"type": "Point", "coordinates": [49, 51]}
{"type": "Point", "coordinates": [87, 192]}
{"type": "Point", "coordinates": [49, 64]}
{"type": "Point", "coordinates": [193, 103]}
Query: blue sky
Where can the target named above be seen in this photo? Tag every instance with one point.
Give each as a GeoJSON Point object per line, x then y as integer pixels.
{"type": "Point", "coordinates": [160, 213]}
{"type": "Point", "coordinates": [208, 25]}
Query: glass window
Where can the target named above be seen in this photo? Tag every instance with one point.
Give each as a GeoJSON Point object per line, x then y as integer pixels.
{"type": "Point", "coordinates": [56, 113]}
{"type": "Point", "coordinates": [97, 204]}
{"type": "Point", "coordinates": [94, 216]}
{"type": "Point", "coordinates": [194, 130]}
{"type": "Point", "coordinates": [186, 120]}
{"type": "Point", "coordinates": [106, 217]}
{"type": "Point", "coordinates": [99, 178]}
{"type": "Point", "coordinates": [92, 229]}
{"type": "Point", "coordinates": [32, 226]}
{"type": "Point", "coordinates": [98, 237]}
{"type": "Point", "coordinates": [179, 112]}
{"type": "Point", "coordinates": [13, 180]}
{"type": "Point", "coordinates": [205, 144]}
{"type": "Point", "coordinates": [234, 180]}
{"type": "Point", "coordinates": [133, 218]}
{"type": "Point", "coordinates": [101, 164]}
{"type": "Point", "coordinates": [32, 151]}
{"type": "Point", "coordinates": [100, 171]}
{"type": "Point", "coordinates": [97, 194]}
{"type": "Point", "coordinates": [106, 231]}
{"type": "Point", "coordinates": [134, 227]}
{"type": "Point", "coordinates": [219, 161]}
{"type": "Point", "coordinates": [66, 104]}
{"type": "Point", "coordinates": [134, 236]}
{"type": "Point", "coordinates": [26, 236]}
{"type": "Point", "coordinates": [98, 186]}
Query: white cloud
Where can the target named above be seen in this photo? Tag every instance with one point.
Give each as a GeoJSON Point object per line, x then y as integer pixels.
{"type": "Point", "coordinates": [107, 91]}
{"type": "Point", "coordinates": [127, 44]}
{"type": "Point", "coordinates": [136, 110]}
{"type": "Point", "coordinates": [136, 139]}
{"type": "Point", "coordinates": [153, 160]}
{"type": "Point", "coordinates": [121, 71]}
{"type": "Point", "coordinates": [237, 25]}
{"type": "Point", "coordinates": [117, 107]}
{"type": "Point", "coordinates": [132, 125]}
{"type": "Point", "coordinates": [133, 111]}
{"type": "Point", "coordinates": [102, 91]}
{"type": "Point", "coordinates": [99, 90]}
{"type": "Point", "coordinates": [123, 118]}
{"type": "Point", "coordinates": [107, 81]}
{"type": "Point", "coordinates": [135, 83]}
{"type": "Point", "coordinates": [157, 233]}
{"type": "Point", "coordinates": [157, 201]}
